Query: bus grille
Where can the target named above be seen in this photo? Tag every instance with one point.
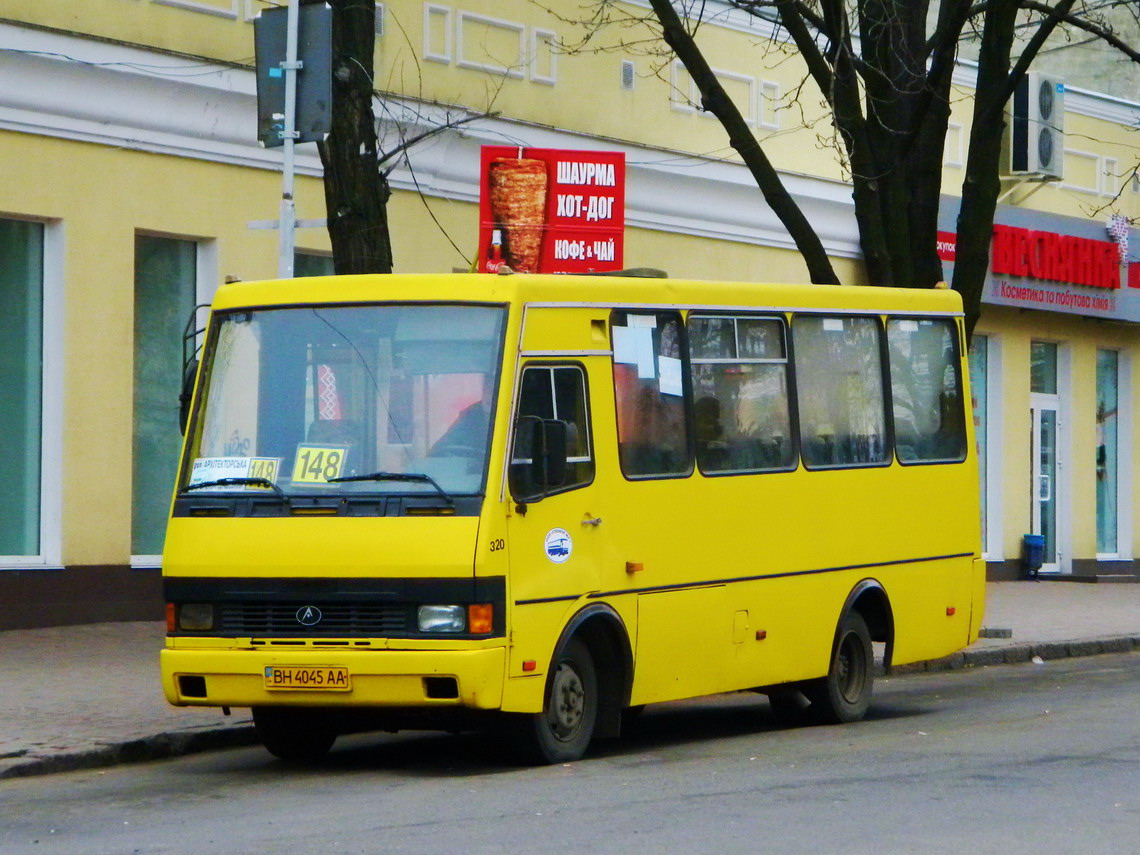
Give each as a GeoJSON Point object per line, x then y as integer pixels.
{"type": "Point", "coordinates": [340, 620]}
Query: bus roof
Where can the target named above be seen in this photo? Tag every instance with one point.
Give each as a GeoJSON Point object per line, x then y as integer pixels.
{"type": "Point", "coordinates": [581, 291]}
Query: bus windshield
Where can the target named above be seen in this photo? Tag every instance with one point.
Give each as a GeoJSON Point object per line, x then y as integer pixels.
{"type": "Point", "coordinates": [330, 400]}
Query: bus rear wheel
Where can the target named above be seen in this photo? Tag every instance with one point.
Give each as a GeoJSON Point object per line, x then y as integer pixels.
{"type": "Point", "coordinates": [296, 735]}
{"type": "Point", "coordinates": [561, 733]}
{"type": "Point", "coordinates": [845, 693]}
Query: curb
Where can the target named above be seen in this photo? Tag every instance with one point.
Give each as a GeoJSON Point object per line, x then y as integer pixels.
{"type": "Point", "coordinates": [1013, 654]}
{"type": "Point", "coordinates": [158, 747]}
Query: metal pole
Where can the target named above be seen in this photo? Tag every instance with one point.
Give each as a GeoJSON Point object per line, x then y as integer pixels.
{"type": "Point", "coordinates": [289, 136]}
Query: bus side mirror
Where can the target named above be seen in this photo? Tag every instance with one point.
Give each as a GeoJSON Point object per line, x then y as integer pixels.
{"type": "Point", "coordinates": [539, 459]}
{"type": "Point", "coordinates": [186, 395]}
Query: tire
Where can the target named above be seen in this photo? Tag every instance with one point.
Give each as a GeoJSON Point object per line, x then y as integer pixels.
{"type": "Point", "coordinates": [300, 736]}
{"type": "Point", "coordinates": [561, 733]}
{"type": "Point", "coordinates": [845, 693]}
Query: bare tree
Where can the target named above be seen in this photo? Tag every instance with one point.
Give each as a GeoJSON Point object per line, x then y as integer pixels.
{"type": "Point", "coordinates": [885, 70]}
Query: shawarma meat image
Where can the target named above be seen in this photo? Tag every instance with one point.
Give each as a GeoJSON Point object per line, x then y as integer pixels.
{"type": "Point", "coordinates": [518, 206]}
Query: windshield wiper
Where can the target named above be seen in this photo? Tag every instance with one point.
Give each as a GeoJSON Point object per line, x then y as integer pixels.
{"type": "Point", "coordinates": [418, 477]}
{"type": "Point", "coordinates": [239, 482]}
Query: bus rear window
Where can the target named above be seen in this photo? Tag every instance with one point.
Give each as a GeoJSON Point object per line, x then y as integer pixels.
{"type": "Point", "coordinates": [926, 391]}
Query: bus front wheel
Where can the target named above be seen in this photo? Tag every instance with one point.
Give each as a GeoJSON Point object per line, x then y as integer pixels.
{"type": "Point", "coordinates": [845, 693]}
{"type": "Point", "coordinates": [292, 734]}
{"type": "Point", "coordinates": [561, 733]}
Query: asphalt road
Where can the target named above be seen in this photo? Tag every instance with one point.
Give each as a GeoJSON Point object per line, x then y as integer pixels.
{"type": "Point", "coordinates": [1009, 759]}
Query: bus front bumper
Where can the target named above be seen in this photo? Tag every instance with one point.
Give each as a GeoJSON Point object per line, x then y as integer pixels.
{"type": "Point", "coordinates": [329, 678]}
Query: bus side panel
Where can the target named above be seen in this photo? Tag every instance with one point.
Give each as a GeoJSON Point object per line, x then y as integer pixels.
{"type": "Point", "coordinates": [682, 645]}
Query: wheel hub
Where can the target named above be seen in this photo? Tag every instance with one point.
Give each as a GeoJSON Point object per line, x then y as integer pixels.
{"type": "Point", "coordinates": [567, 702]}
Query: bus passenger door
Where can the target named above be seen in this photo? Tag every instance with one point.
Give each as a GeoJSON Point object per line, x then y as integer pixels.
{"type": "Point", "coordinates": [553, 526]}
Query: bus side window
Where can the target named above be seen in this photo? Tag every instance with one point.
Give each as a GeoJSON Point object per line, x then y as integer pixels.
{"type": "Point", "coordinates": [649, 391]}
{"type": "Point", "coordinates": [552, 393]}
{"type": "Point", "coordinates": [839, 389]}
{"type": "Point", "coordinates": [926, 391]}
{"type": "Point", "coordinates": [741, 413]}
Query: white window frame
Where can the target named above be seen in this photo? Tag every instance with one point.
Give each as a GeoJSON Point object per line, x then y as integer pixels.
{"type": "Point", "coordinates": [681, 98]}
{"type": "Point", "coordinates": [1078, 154]}
{"type": "Point", "coordinates": [1108, 176]}
{"type": "Point", "coordinates": [52, 379]}
{"type": "Point", "coordinates": [444, 12]}
{"type": "Point", "coordinates": [769, 94]}
{"type": "Point", "coordinates": [537, 37]}
{"type": "Point", "coordinates": [205, 8]}
{"type": "Point", "coordinates": [521, 60]}
{"type": "Point", "coordinates": [952, 154]}
{"type": "Point", "coordinates": [752, 102]}
{"type": "Point", "coordinates": [1065, 459]}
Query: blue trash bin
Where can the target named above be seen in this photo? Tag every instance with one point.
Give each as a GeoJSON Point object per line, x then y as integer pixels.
{"type": "Point", "coordinates": [1032, 554]}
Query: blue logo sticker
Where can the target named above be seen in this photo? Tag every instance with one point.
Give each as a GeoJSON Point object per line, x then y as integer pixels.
{"type": "Point", "coordinates": [558, 545]}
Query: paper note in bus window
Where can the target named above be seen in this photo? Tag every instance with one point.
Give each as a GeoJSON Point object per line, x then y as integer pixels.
{"type": "Point", "coordinates": [839, 389]}
{"type": "Point", "coordinates": [926, 390]}
{"type": "Point", "coordinates": [740, 392]}
{"type": "Point", "coordinates": [652, 427]}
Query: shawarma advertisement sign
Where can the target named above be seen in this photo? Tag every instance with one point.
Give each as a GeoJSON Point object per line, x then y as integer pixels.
{"type": "Point", "coordinates": [544, 210]}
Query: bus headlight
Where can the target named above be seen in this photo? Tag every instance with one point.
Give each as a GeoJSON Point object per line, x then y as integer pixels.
{"type": "Point", "coordinates": [196, 617]}
{"type": "Point", "coordinates": [442, 619]}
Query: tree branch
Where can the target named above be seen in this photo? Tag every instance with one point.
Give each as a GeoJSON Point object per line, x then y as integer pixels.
{"type": "Point", "coordinates": [716, 101]}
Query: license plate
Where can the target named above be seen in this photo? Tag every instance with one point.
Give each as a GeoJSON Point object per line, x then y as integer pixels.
{"type": "Point", "coordinates": [328, 678]}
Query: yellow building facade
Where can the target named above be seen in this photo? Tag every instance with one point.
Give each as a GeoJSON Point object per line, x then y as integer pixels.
{"type": "Point", "coordinates": [132, 175]}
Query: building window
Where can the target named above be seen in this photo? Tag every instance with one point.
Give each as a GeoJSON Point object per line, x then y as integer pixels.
{"type": "Point", "coordinates": [1043, 367]}
{"type": "Point", "coordinates": [311, 264]}
{"type": "Point", "coordinates": [979, 391]}
{"type": "Point", "coordinates": [165, 285]}
{"type": "Point", "coordinates": [1107, 394]}
{"type": "Point", "coordinates": [21, 385]}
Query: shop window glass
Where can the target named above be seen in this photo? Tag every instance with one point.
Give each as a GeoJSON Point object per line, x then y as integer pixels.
{"type": "Point", "coordinates": [1107, 390]}
{"type": "Point", "coordinates": [741, 415]}
{"type": "Point", "coordinates": [653, 438]}
{"type": "Point", "coordinates": [165, 277]}
{"type": "Point", "coordinates": [558, 393]}
{"type": "Point", "coordinates": [1043, 367]}
{"type": "Point", "coordinates": [979, 390]}
{"type": "Point", "coordinates": [926, 391]}
{"type": "Point", "coordinates": [21, 385]}
{"type": "Point", "coordinates": [310, 264]}
{"type": "Point", "coordinates": [839, 389]}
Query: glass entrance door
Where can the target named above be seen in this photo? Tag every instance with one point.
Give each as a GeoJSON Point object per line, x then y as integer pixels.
{"type": "Point", "coordinates": [1044, 479]}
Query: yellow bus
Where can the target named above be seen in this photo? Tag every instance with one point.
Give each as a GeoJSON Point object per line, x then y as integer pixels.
{"type": "Point", "coordinates": [538, 503]}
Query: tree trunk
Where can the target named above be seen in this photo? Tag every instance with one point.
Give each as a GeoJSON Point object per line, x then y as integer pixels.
{"type": "Point", "coordinates": [356, 194]}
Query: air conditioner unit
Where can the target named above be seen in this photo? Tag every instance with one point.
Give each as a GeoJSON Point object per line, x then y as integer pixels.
{"type": "Point", "coordinates": [1037, 127]}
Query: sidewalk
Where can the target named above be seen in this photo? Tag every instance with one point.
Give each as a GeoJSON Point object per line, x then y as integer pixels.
{"type": "Point", "coordinates": [87, 696]}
